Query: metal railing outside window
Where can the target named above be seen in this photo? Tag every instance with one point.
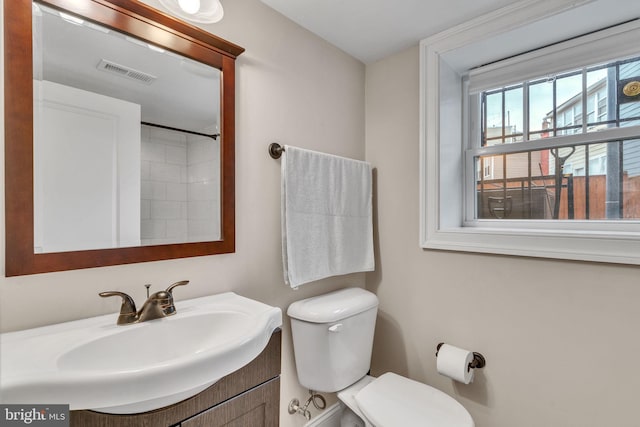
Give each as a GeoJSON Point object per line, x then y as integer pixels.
{"type": "Point", "coordinates": [538, 158]}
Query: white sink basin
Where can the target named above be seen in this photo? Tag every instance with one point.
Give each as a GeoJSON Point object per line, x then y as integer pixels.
{"type": "Point", "coordinates": [95, 364]}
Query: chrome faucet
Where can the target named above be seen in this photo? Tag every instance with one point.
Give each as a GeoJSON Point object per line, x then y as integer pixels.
{"type": "Point", "coordinates": [159, 304]}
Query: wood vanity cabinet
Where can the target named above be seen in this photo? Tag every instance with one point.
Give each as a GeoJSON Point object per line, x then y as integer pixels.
{"type": "Point", "coordinates": [249, 397]}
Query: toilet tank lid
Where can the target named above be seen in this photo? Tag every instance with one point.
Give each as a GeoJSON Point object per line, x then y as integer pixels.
{"type": "Point", "coordinates": [333, 306]}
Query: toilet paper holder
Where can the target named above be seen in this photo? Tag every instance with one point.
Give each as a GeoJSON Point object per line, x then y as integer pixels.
{"type": "Point", "coordinates": [477, 362]}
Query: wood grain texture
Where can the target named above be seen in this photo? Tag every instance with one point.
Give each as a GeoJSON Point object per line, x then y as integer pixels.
{"type": "Point", "coordinates": [261, 370]}
{"type": "Point", "coordinates": [257, 407]}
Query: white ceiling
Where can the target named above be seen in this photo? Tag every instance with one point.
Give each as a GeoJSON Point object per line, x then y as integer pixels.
{"type": "Point", "coordinates": [372, 29]}
{"type": "Point", "coordinates": [184, 95]}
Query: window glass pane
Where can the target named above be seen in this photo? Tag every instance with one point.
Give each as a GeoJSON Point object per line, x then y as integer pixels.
{"type": "Point", "coordinates": [503, 116]}
{"type": "Point", "coordinates": [582, 181]}
{"type": "Point", "coordinates": [596, 75]}
{"type": "Point", "coordinates": [569, 104]}
{"type": "Point", "coordinates": [629, 111]}
{"type": "Point", "coordinates": [631, 179]}
{"type": "Point", "coordinates": [511, 194]}
{"type": "Point", "coordinates": [489, 168]}
{"type": "Point", "coordinates": [601, 108]}
{"type": "Point", "coordinates": [513, 113]}
{"type": "Point", "coordinates": [541, 106]}
{"type": "Point", "coordinates": [629, 91]}
{"type": "Point", "coordinates": [559, 105]}
{"type": "Point", "coordinates": [564, 183]}
{"type": "Point", "coordinates": [493, 119]}
{"type": "Point", "coordinates": [568, 91]}
{"type": "Point", "coordinates": [597, 90]}
{"type": "Point", "coordinates": [577, 114]}
{"type": "Point", "coordinates": [630, 70]}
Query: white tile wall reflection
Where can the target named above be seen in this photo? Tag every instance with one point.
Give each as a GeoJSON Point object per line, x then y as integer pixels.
{"type": "Point", "coordinates": [180, 190]}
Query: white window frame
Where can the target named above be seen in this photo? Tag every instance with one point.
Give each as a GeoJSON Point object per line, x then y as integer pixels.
{"type": "Point", "coordinates": [444, 173]}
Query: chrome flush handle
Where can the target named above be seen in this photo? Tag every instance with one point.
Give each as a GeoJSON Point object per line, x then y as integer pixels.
{"type": "Point", "coordinates": [335, 328]}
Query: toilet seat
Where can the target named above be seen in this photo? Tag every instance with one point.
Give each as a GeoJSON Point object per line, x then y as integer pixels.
{"type": "Point", "coordinates": [391, 400]}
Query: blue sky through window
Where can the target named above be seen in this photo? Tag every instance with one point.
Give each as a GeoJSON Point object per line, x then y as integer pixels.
{"type": "Point", "coordinates": [540, 100]}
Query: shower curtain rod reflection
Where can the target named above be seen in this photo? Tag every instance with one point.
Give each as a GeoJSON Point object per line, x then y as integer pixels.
{"type": "Point", "coordinates": [214, 136]}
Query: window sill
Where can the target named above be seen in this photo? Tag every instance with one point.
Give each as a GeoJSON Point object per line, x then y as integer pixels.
{"type": "Point", "coordinates": [620, 248]}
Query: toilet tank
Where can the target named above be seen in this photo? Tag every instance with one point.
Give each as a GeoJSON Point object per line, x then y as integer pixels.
{"type": "Point", "coordinates": [333, 338]}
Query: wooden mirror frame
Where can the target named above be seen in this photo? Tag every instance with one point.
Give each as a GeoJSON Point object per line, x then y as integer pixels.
{"type": "Point", "coordinates": [141, 21]}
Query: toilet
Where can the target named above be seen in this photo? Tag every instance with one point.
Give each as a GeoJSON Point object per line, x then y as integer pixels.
{"type": "Point", "coordinates": [332, 341]}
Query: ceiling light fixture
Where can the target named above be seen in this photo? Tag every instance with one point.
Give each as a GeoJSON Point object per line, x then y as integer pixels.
{"type": "Point", "coordinates": [200, 11]}
{"type": "Point", "coordinates": [189, 6]}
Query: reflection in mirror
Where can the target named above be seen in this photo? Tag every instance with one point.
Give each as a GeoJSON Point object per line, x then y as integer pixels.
{"type": "Point", "coordinates": [94, 155]}
{"type": "Point", "coordinates": [126, 140]}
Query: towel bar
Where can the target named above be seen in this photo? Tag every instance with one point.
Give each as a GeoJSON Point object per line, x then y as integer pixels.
{"type": "Point", "coordinates": [275, 150]}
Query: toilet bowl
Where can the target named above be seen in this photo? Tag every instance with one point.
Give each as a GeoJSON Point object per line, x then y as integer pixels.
{"type": "Point", "coordinates": [333, 339]}
{"type": "Point", "coordinates": [393, 400]}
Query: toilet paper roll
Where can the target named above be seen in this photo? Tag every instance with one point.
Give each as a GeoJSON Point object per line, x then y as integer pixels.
{"type": "Point", "coordinates": [453, 362]}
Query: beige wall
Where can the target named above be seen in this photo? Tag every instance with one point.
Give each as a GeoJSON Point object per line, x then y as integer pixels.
{"type": "Point", "coordinates": [560, 338]}
{"type": "Point", "coordinates": [292, 88]}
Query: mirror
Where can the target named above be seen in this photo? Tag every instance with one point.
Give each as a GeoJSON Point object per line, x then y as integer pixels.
{"type": "Point", "coordinates": [126, 153]}
{"type": "Point", "coordinates": [140, 124]}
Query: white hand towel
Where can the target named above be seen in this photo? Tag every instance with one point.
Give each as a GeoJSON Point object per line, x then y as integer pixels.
{"type": "Point", "coordinates": [327, 225]}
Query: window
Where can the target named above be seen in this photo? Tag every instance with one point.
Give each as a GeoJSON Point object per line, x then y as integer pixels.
{"type": "Point", "coordinates": [528, 126]}
{"type": "Point", "coordinates": [537, 154]}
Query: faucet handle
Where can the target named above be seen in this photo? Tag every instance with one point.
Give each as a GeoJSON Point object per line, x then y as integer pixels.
{"type": "Point", "coordinates": [180, 283]}
{"type": "Point", "coordinates": [128, 305]}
